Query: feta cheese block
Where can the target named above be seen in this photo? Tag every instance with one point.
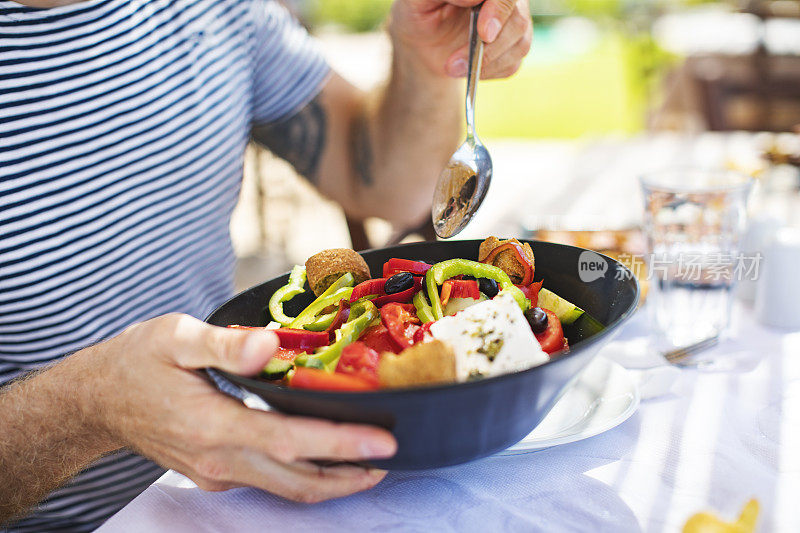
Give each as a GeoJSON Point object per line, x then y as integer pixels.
{"type": "Point", "coordinates": [490, 338]}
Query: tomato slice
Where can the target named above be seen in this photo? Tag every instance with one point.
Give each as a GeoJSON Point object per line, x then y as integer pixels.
{"type": "Point", "coordinates": [287, 354]}
{"type": "Point", "coordinates": [359, 360]}
{"type": "Point", "coordinates": [315, 379]}
{"type": "Point", "coordinates": [422, 332]}
{"type": "Point", "coordinates": [378, 338]}
{"type": "Point", "coordinates": [402, 322]}
{"type": "Point", "coordinates": [552, 339]}
{"type": "Point", "coordinates": [395, 265]}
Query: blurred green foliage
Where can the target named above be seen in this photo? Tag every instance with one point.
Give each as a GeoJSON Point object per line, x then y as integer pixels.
{"type": "Point", "coordinates": [353, 15]}
{"type": "Point", "coordinates": [605, 89]}
{"type": "Point", "coordinates": [560, 91]}
{"type": "Point", "coordinates": [367, 15]}
{"type": "Point", "coordinates": [595, 8]}
{"type": "Point", "coordinates": [618, 9]}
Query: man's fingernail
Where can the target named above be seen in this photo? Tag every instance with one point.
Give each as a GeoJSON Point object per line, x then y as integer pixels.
{"type": "Point", "coordinates": [257, 346]}
{"type": "Point", "coordinates": [458, 68]}
{"type": "Point", "coordinates": [492, 30]}
{"type": "Point", "coordinates": [377, 449]}
{"type": "Point", "coordinates": [376, 474]}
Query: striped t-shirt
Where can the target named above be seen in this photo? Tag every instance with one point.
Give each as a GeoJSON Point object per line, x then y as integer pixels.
{"type": "Point", "coordinates": [122, 130]}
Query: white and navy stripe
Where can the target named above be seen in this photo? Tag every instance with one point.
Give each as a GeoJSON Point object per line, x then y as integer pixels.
{"type": "Point", "coordinates": [122, 130]}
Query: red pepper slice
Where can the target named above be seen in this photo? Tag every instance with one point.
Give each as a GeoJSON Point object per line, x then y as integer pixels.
{"type": "Point", "coordinates": [301, 339]}
{"type": "Point", "coordinates": [368, 288]}
{"type": "Point", "coordinates": [401, 297]}
{"type": "Point", "coordinates": [375, 287]}
{"type": "Point", "coordinates": [552, 339]}
{"type": "Point", "coordinates": [378, 338]}
{"type": "Point", "coordinates": [527, 277]}
{"type": "Point", "coordinates": [315, 379]}
{"type": "Point", "coordinates": [292, 342]}
{"type": "Point", "coordinates": [464, 288]}
{"type": "Point", "coordinates": [359, 360]}
{"type": "Point", "coordinates": [402, 322]}
{"type": "Point", "coordinates": [447, 288]}
{"type": "Point", "coordinates": [531, 291]}
{"type": "Point", "coordinates": [395, 265]}
{"type": "Point", "coordinates": [341, 317]}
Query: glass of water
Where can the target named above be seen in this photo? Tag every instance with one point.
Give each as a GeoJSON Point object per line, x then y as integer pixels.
{"type": "Point", "coordinates": [694, 221]}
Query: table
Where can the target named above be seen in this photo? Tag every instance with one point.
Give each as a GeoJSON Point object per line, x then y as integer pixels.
{"type": "Point", "coordinates": [719, 437]}
{"type": "Point", "coordinates": [593, 183]}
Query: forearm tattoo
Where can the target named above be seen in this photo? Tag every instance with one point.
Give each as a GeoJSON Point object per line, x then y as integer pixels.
{"type": "Point", "coordinates": [362, 151]}
{"type": "Point", "coordinates": [299, 139]}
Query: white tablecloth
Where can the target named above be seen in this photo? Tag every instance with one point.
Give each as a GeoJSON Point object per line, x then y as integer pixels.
{"type": "Point", "coordinates": [721, 436]}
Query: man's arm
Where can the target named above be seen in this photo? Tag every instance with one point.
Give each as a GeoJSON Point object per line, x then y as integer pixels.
{"type": "Point", "coordinates": [140, 390]}
{"type": "Point", "coordinates": [379, 154]}
{"type": "Point", "coordinates": [374, 154]}
{"type": "Point", "coordinates": [48, 434]}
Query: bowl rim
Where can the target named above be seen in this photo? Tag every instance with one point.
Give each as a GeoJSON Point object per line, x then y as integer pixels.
{"type": "Point", "coordinates": [252, 383]}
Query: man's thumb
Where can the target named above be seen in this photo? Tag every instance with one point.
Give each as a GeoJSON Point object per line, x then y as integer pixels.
{"type": "Point", "coordinates": [239, 351]}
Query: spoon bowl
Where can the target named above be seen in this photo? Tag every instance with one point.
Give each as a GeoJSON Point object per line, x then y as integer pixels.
{"type": "Point", "coordinates": [461, 188]}
{"type": "Point", "coordinates": [464, 182]}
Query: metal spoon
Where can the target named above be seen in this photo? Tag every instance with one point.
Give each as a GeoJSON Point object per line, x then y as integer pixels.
{"type": "Point", "coordinates": [464, 182]}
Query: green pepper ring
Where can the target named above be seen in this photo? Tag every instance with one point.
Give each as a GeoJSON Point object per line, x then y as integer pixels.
{"type": "Point", "coordinates": [441, 272]}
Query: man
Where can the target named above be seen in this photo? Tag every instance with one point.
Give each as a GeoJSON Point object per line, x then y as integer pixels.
{"type": "Point", "coordinates": [123, 125]}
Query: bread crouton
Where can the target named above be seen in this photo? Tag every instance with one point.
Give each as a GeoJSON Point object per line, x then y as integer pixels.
{"type": "Point", "coordinates": [506, 260]}
{"type": "Point", "coordinates": [324, 268]}
{"type": "Point", "coordinates": [425, 363]}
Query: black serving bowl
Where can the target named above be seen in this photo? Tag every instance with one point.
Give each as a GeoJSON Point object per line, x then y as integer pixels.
{"type": "Point", "coordinates": [452, 424]}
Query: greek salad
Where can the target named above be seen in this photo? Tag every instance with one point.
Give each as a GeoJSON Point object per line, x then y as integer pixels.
{"type": "Point", "coordinates": [418, 324]}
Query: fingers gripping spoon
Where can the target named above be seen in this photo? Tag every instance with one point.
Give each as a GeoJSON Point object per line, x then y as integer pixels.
{"type": "Point", "coordinates": [463, 184]}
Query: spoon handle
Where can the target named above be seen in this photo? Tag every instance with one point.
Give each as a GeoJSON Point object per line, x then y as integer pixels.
{"type": "Point", "coordinates": [475, 59]}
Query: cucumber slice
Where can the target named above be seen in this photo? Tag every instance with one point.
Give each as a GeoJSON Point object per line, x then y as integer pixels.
{"type": "Point", "coordinates": [459, 304]}
{"type": "Point", "coordinates": [276, 368]}
{"type": "Point", "coordinates": [567, 313]}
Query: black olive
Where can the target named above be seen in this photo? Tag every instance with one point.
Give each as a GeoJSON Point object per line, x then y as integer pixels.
{"type": "Point", "coordinates": [428, 298]}
{"type": "Point", "coordinates": [398, 283]}
{"type": "Point", "coordinates": [488, 286]}
{"type": "Point", "coordinates": [468, 277]}
{"type": "Point", "coordinates": [537, 319]}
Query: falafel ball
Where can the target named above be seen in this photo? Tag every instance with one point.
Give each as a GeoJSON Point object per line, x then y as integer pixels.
{"type": "Point", "coordinates": [324, 268]}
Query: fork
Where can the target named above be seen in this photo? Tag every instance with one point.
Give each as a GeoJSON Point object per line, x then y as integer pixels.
{"type": "Point", "coordinates": [677, 356]}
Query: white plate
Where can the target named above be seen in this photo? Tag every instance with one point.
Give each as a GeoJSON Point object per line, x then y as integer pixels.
{"type": "Point", "coordinates": [602, 397]}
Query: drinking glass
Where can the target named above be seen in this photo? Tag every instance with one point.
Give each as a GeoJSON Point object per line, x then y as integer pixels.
{"type": "Point", "coordinates": [694, 221]}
